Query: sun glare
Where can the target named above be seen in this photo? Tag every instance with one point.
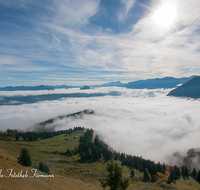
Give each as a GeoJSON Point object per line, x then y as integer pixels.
{"type": "Point", "coordinates": [165, 15]}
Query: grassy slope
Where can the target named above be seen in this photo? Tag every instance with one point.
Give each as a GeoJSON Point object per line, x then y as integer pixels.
{"type": "Point", "coordinates": [69, 173]}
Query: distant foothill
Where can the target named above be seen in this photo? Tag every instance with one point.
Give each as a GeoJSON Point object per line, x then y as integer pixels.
{"type": "Point", "coordinates": [85, 88]}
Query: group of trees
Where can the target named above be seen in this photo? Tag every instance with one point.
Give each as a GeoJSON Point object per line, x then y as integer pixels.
{"type": "Point", "coordinates": [138, 163]}
{"type": "Point", "coordinates": [92, 150]}
{"type": "Point", "coordinates": [195, 174]}
{"type": "Point", "coordinates": [185, 172]}
{"type": "Point", "coordinates": [34, 136]}
{"type": "Point", "coordinates": [67, 153]}
{"type": "Point", "coordinates": [175, 174]}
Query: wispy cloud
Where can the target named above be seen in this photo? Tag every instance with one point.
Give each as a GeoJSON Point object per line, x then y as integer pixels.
{"type": "Point", "coordinates": [128, 4]}
{"type": "Point", "coordinates": [60, 36]}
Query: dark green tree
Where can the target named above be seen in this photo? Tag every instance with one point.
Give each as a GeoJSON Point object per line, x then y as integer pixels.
{"type": "Point", "coordinates": [183, 172]}
{"type": "Point", "coordinates": [68, 152]}
{"type": "Point", "coordinates": [164, 169]}
{"type": "Point", "coordinates": [114, 178]}
{"type": "Point", "coordinates": [159, 167]}
{"type": "Point", "coordinates": [194, 173]}
{"type": "Point", "coordinates": [177, 172]}
{"type": "Point", "coordinates": [186, 173]}
{"type": "Point", "coordinates": [146, 175]}
{"type": "Point", "coordinates": [171, 177]}
{"type": "Point", "coordinates": [198, 176]}
{"type": "Point", "coordinates": [17, 136]}
{"type": "Point", "coordinates": [132, 173]}
{"type": "Point", "coordinates": [24, 158]}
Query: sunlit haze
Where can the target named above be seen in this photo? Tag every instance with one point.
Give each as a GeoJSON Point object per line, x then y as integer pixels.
{"type": "Point", "coordinates": [165, 15]}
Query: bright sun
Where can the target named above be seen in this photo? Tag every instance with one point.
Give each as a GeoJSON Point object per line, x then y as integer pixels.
{"type": "Point", "coordinates": [165, 15]}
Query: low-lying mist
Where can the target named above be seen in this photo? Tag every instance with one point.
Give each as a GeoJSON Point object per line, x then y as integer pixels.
{"type": "Point", "coordinates": [143, 123]}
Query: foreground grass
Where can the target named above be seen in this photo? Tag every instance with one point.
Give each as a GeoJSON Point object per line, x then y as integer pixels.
{"type": "Point", "coordinates": [69, 172]}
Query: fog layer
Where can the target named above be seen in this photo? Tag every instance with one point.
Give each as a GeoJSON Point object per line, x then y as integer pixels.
{"type": "Point", "coordinates": [144, 123]}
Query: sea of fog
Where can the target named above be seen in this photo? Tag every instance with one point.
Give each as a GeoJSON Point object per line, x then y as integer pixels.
{"type": "Point", "coordinates": [143, 122]}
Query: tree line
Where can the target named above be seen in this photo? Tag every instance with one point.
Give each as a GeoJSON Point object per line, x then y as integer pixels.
{"type": "Point", "coordinates": [35, 136]}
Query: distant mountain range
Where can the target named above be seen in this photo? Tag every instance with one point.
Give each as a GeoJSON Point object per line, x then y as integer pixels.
{"type": "Point", "coordinates": [167, 82]}
{"type": "Point", "coordinates": [189, 89]}
{"type": "Point", "coordinates": [110, 84]}
{"type": "Point", "coordinates": [41, 87]}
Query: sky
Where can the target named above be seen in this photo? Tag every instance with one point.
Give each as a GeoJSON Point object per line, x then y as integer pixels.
{"type": "Point", "coordinates": [139, 122]}
{"type": "Point", "coordinates": [85, 42]}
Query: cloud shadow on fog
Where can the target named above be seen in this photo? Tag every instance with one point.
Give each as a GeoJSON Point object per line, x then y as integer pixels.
{"type": "Point", "coordinates": [18, 100]}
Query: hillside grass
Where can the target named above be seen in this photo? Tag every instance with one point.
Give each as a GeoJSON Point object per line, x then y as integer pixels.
{"type": "Point", "coordinates": [69, 172]}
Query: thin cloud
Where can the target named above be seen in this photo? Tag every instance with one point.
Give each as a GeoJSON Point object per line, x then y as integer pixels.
{"type": "Point", "coordinates": [128, 4]}
{"type": "Point", "coordinates": [60, 39]}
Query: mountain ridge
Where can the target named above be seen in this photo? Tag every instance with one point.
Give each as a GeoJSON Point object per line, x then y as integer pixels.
{"type": "Point", "coordinates": [166, 82]}
{"type": "Point", "coordinates": [189, 89]}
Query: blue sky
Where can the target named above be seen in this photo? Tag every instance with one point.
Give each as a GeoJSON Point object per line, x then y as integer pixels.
{"type": "Point", "coordinates": [96, 41]}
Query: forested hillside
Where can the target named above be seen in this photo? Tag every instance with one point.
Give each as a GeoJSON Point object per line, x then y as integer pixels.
{"type": "Point", "coordinates": [79, 152]}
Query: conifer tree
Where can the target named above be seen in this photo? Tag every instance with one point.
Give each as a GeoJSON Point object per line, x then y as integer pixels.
{"type": "Point", "coordinates": [171, 177]}
{"type": "Point", "coordinates": [186, 173]}
{"type": "Point", "coordinates": [17, 136]}
{"type": "Point", "coordinates": [183, 172]}
{"type": "Point", "coordinates": [177, 173]}
{"type": "Point", "coordinates": [159, 167]}
{"type": "Point", "coordinates": [194, 173]}
{"type": "Point", "coordinates": [132, 173]}
{"type": "Point", "coordinates": [146, 175]}
{"type": "Point", "coordinates": [25, 158]}
{"type": "Point", "coordinates": [198, 176]}
{"type": "Point", "coordinates": [164, 168]}
{"type": "Point", "coordinates": [114, 179]}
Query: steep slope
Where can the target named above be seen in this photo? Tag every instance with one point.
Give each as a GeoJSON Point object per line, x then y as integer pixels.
{"type": "Point", "coordinates": [189, 89]}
